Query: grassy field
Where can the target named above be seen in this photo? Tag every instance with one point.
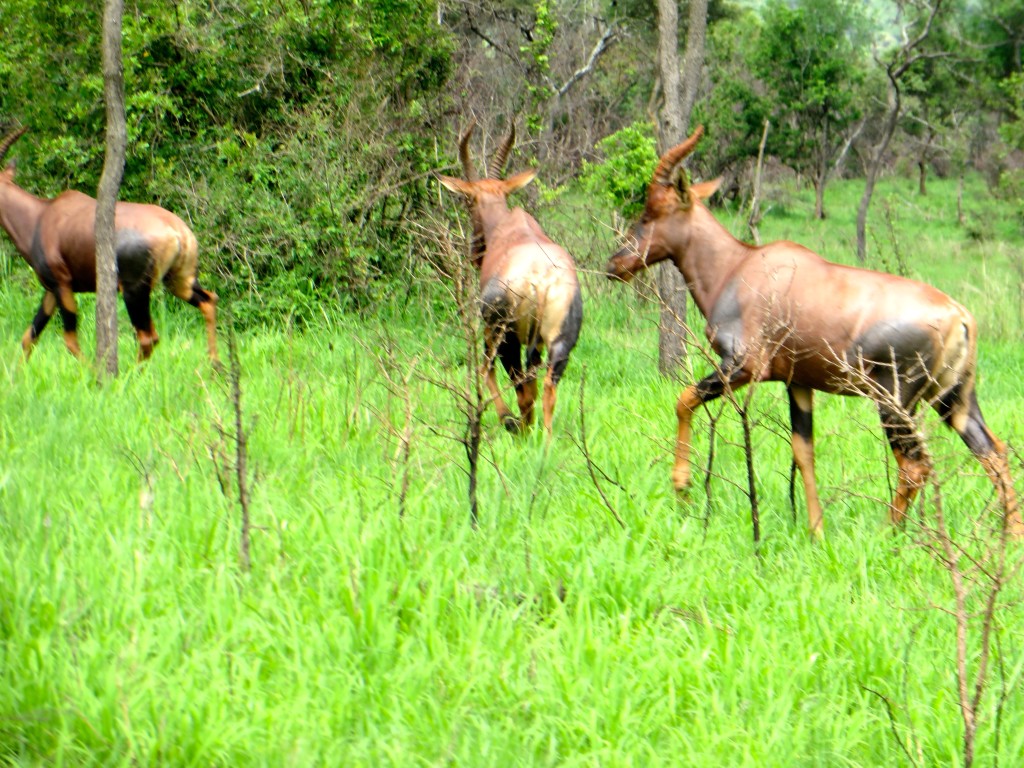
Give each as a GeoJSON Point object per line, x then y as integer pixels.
{"type": "Point", "coordinates": [378, 627]}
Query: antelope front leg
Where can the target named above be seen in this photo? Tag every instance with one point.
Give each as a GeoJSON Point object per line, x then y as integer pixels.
{"type": "Point", "coordinates": [46, 309]}
{"type": "Point", "coordinates": [688, 402]}
{"type": "Point", "coordinates": [704, 391]}
{"type": "Point", "coordinates": [504, 345]}
{"type": "Point", "coordinates": [69, 314]}
{"type": "Point", "coordinates": [911, 476]}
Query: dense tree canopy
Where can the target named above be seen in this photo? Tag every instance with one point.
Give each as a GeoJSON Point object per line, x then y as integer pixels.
{"type": "Point", "coordinates": [299, 136]}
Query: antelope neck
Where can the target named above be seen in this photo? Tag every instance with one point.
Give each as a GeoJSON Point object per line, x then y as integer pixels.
{"type": "Point", "coordinates": [707, 256]}
{"type": "Point", "coordinates": [19, 212]}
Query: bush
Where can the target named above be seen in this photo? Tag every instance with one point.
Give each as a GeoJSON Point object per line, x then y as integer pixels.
{"type": "Point", "coordinates": [620, 181]}
{"type": "Point", "coordinates": [293, 137]}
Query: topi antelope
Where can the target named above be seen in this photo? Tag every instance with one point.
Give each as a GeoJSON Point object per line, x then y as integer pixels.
{"type": "Point", "coordinates": [529, 293]}
{"type": "Point", "coordinates": [780, 312]}
{"type": "Point", "coordinates": [57, 238]}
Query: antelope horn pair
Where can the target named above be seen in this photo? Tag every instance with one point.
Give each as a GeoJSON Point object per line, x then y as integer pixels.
{"type": "Point", "coordinates": [498, 160]}
{"type": "Point", "coordinates": [673, 157]}
{"type": "Point", "coordinates": [9, 139]}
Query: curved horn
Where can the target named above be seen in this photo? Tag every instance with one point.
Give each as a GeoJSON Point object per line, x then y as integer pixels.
{"type": "Point", "coordinates": [9, 139]}
{"type": "Point", "coordinates": [674, 156]}
{"type": "Point", "coordinates": [497, 166]}
{"type": "Point", "coordinates": [467, 163]}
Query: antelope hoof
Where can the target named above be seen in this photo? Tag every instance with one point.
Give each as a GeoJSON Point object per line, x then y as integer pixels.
{"type": "Point", "coordinates": [681, 479]}
{"type": "Point", "coordinates": [1015, 528]}
{"type": "Point", "coordinates": [513, 425]}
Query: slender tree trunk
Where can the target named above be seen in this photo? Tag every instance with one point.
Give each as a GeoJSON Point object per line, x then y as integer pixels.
{"type": "Point", "coordinates": [671, 285]}
{"type": "Point", "coordinates": [960, 197]}
{"type": "Point", "coordinates": [677, 106]}
{"type": "Point", "coordinates": [106, 195]}
{"type": "Point", "coordinates": [922, 162]}
{"type": "Point", "coordinates": [821, 171]}
{"type": "Point", "coordinates": [875, 163]}
{"type": "Point", "coordinates": [671, 115]}
{"type": "Point", "coordinates": [819, 196]}
{"type": "Point", "coordinates": [693, 61]}
{"type": "Point", "coordinates": [901, 61]}
{"type": "Point", "coordinates": [755, 204]}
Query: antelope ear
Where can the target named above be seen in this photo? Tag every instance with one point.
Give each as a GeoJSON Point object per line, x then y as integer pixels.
{"type": "Point", "coordinates": [458, 186]}
{"type": "Point", "coordinates": [706, 189]}
{"type": "Point", "coordinates": [520, 180]}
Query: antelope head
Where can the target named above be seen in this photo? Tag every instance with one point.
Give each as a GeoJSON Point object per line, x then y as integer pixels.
{"type": "Point", "coordinates": [486, 196]}
{"type": "Point", "coordinates": [665, 226]}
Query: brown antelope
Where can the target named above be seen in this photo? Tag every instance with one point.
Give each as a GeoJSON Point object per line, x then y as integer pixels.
{"type": "Point", "coordinates": [780, 312]}
{"type": "Point", "coordinates": [57, 239]}
{"type": "Point", "coordinates": [529, 293]}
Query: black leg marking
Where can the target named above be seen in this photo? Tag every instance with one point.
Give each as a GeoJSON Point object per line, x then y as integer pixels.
{"type": "Point", "coordinates": [494, 306]}
{"type": "Point", "coordinates": [558, 359]}
{"type": "Point", "coordinates": [901, 432]}
{"type": "Point", "coordinates": [40, 320]}
{"type": "Point", "coordinates": [510, 354]}
{"type": "Point", "coordinates": [568, 335]}
{"type": "Point", "coordinates": [975, 434]}
{"type": "Point", "coordinates": [70, 320]}
{"type": "Point", "coordinates": [199, 295]}
{"type": "Point", "coordinates": [712, 386]}
{"type": "Point", "coordinates": [802, 421]}
{"type": "Point", "coordinates": [136, 301]}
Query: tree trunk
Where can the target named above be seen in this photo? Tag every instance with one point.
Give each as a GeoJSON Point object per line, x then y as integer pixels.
{"type": "Point", "coordinates": [902, 59]}
{"type": "Point", "coordinates": [693, 61]}
{"type": "Point", "coordinates": [922, 162]}
{"type": "Point", "coordinates": [671, 115]}
{"type": "Point", "coordinates": [755, 204]}
{"type": "Point", "coordinates": [106, 195]}
{"type": "Point", "coordinates": [671, 286]}
{"type": "Point", "coordinates": [821, 172]}
{"type": "Point", "coordinates": [819, 196]}
{"type": "Point", "coordinates": [875, 163]}
{"type": "Point", "coordinates": [675, 118]}
{"type": "Point", "coordinates": [960, 197]}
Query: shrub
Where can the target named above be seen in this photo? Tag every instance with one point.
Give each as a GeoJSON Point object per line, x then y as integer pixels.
{"type": "Point", "coordinates": [621, 179]}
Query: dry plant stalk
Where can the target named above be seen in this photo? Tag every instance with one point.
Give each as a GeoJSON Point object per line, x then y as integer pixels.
{"type": "Point", "coordinates": [454, 268]}
{"type": "Point", "coordinates": [241, 452]}
{"type": "Point", "coordinates": [235, 467]}
{"type": "Point", "coordinates": [741, 407]}
{"type": "Point", "coordinates": [977, 564]}
{"type": "Point", "coordinates": [591, 466]}
{"type": "Point", "coordinates": [398, 386]}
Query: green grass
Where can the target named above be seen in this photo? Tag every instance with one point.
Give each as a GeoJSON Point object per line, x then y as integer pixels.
{"type": "Point", "coordinates": [549, 635]}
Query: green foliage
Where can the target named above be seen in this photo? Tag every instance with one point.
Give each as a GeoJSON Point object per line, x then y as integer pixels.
{"type": "Point", "coordinates": [297, 137]}
{"type": "Point", "coordinates": [547, 636]}
{"type": "Point", "coordinates": [1012, 131]}
{"type": "Point", "coordinates": [537, 52]}
{"type": "Point", "coordinates": [808, 56]}
{"type": "Point", "coordinates": [294, 136]}
{"type": "Point", "coordinates": [620, 180]}
{"type": "Point", "coordinates": [735, 110]}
